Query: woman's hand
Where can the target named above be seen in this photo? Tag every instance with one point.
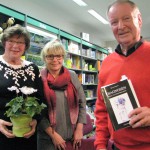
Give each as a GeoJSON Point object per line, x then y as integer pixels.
{"type": "Point", "coordinates": [58, 141]}
{"type": "Point", "coordinates": [4, 130]}
{"type": "Point", "coordinates": [33, 124]}
{"type": "Point", "coordinates": [77, 137]}
{"type": "Point", "coordinates": [140, 117]}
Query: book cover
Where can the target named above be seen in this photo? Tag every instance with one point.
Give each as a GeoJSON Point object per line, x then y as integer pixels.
{"type": "Point", "coordinates": [92, 81]}
{"type": "Point", "coordinates": [120, 98]}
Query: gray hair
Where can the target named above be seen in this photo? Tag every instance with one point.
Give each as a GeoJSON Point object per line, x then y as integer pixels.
{"type": "Point", "coordinates": [132, 4]}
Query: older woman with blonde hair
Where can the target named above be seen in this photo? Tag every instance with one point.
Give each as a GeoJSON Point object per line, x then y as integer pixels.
{"type": "Point", "coordinates": [66, 102]}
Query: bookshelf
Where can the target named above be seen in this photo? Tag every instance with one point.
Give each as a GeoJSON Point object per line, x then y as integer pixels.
{"type": "Point", "coordinates": [40, 34]}
{"type": "Point", "coordinates": [82, 56]}
{"type": "Point", "coordinates": [85, 59]}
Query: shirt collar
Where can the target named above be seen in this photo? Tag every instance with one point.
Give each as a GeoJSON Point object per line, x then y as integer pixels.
{"type": "Point", "coordinates": [131, 50]}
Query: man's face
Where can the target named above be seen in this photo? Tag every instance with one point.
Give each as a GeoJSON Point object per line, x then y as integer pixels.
{"type": "Point", "coordinates": [126, 24]}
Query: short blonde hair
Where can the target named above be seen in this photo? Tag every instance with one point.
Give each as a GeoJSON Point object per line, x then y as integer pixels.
{"type": "Point", "coordinates": [53, 47]}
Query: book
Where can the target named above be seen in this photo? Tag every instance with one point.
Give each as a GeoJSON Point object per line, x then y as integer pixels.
{"type": "Point", "coordinates": [120, 98]}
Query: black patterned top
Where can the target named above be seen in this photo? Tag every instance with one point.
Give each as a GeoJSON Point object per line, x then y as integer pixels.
{"type": "Point", "coordinates": [26, 74]}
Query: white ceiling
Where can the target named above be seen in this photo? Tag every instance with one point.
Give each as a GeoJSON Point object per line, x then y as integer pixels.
{"type": "Point", "coordinates": [79, 16]}
{"type": "Point", "coordinates": [68, 16]}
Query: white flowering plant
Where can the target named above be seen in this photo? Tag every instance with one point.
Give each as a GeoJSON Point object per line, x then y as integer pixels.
{"type": "Point", "coordinates": [24, 104]}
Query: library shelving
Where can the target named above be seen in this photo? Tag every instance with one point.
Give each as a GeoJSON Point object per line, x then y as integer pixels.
{"type": "Point", "coordinates": [82, 56]}
{"type": "Point", "coordinates": [40, 34]}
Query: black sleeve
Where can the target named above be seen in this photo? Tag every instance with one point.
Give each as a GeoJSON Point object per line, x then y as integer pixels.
{"type": "Point", "coordinates": [40, 95]}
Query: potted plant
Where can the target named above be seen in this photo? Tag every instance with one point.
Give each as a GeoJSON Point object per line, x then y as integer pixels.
{"type": "Point", "coordinates": [22, 109]}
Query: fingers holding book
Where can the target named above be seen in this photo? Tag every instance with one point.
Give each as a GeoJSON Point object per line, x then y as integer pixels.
{"type": "Point", "coordinates": [140, 117]}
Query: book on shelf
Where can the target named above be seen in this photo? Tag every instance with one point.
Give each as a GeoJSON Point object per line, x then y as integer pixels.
{"type": "Point", "coordinates": [92, 79]}
{"type": "Point", "coordinates": [88, 78]}
{"type": "Point", "coordinates": [89, 52]}
{"type": "Point", "coordinates": [83, 78]}
{"type": "Point", "coordinates": [90, 93]}
{"type": "Point", "coordinates": [98, 65]}
{"type": "Point", "coordinates": [65, 44]}
{"type": "Point", "coordinates": [93, 54]}
{"type": "Point", "coordinates": [80, 77]}
{"type": "Point", "coordinates": [120, 98]}
{"type": "Point", "coordinates": [68, 61]}
{"type": "Point", "coordinates": [35, 59]}
{"type": "Point", "coordinates": [76, 62]}
{"type": "Point", "coordinates": [84, 52]}
{"type": "Point", "coordinates": [73, 47]}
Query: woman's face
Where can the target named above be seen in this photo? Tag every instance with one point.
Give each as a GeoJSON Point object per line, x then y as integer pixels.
{"type": "Point", "coordinates": [54, 62]}
{"type": "Point", "coordinates": [14, 47]}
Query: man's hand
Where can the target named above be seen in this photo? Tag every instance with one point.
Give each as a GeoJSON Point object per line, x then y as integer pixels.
{"type": "Point", "coordinates": [140, 117]}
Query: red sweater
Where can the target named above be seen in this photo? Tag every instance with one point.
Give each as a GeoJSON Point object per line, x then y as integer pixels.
{"type": "Point", "coordinates": [137, 68]}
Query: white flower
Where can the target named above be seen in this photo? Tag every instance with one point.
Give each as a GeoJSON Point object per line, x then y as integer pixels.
{"type": "Point", "coordinates": [27, 90]}
{"type": "Point", "coordinates": [13, 88]}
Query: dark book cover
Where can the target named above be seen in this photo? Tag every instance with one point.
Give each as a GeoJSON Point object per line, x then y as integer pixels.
{"type": "Point", "coordinates": [120, 98]}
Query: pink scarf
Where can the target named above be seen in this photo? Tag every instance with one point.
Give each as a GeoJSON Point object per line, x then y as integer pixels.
{"type": "Point", "coordinates": [62, 82]}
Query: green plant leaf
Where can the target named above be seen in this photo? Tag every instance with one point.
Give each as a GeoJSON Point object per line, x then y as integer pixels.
{"type": "Point", "coordinates": [19, 105]}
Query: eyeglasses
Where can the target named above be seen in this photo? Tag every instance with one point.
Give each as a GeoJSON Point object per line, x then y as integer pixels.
{"type": "Point", "coordinates": [51, 57]}
{"type": "Point", "coordinates": [11, 42]}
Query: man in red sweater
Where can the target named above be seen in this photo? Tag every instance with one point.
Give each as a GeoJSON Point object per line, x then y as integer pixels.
{"type": "Point", "coordinates": [132, 59]}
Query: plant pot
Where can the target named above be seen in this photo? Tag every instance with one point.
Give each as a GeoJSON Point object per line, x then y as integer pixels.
{"type": "Point", "coordinates": [21, 125]}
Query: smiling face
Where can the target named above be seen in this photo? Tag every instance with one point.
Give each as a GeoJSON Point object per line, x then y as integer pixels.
{"type": "Point", "coordinates": [54, 62]}
{"type": "Point", "coordinates": [14, 48]}
{"type": "Point", "coordinates": [126, 24]}
{"type": "Point", "coordinates": [53, 54]}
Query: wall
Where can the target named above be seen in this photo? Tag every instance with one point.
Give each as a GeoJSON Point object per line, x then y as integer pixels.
{"type": "Point", "coordinates": [111, 44]}
{"type": "Point", "coordinates": [50, 16]}
{"type": "Point", "coordinates": [147, 39]}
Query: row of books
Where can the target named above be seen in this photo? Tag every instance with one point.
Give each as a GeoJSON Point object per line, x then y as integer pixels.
{"type": "Point", "coordinates": [72, 61]}
{"type": "Point", "coordinates": [90, 93]}
{"type": "Point", "coordinates": [35, 59]}
{"type": "Point", "coordinates": [89, 53]}
{"type": "Point", "coordinates": [101, 56]}
{"type": "Point", "coordinates": [37, 43]}
{"type": "Point", "coordinates": [86, 65]}
{"type": "Point", "coordinates": [88, 78]}
{"type": "Point", "coordinates": [74, 47]}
